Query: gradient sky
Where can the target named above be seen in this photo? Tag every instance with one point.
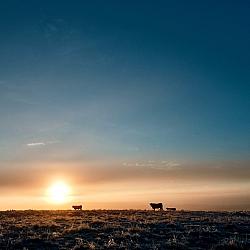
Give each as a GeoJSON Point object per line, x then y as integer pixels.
{"type": "Point", "coordinates": [128, 101]}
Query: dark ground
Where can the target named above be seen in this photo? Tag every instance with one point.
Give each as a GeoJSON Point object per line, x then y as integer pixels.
{"type": "Point", "coordinates": [124, 229]}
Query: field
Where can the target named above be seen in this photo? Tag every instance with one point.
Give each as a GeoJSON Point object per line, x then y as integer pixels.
{"type": "Point", "coordinates": [124, 229]}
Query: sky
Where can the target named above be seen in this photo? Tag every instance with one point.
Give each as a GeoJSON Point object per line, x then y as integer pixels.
{"type": "Point", "coordinates": [128, 102]}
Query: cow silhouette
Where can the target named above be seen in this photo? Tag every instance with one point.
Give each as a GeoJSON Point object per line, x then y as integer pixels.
{"type": "Point", "coordinates": [79, 207]}
{"type": "Point", "coordinates": [156, 206]}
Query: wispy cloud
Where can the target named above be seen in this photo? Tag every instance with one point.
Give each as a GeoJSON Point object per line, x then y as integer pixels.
{"type": "Point", "coordinates": [37, 144]}
{"type": "Point", "coordinates": [162, 165]}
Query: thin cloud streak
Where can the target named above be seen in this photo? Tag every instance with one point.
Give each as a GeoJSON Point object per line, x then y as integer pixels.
{"type": "Point", "coordinates": [35, 144]}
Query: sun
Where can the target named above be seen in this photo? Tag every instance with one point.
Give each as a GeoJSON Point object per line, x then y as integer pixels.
{"type": "Point", "coordinates": [59, 192]}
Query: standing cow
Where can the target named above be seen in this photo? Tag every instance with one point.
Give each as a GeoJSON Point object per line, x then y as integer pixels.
{"type": "Point", "coordinates": [156, 206]}
{"type": "Point", "coordinates": [77, 207]}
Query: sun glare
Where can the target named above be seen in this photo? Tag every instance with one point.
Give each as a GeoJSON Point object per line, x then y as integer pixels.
{"type": "Point", "coordinates": [59, 192]}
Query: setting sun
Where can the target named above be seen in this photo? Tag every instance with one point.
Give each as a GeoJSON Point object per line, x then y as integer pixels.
{"type": "Point", "coordinates": [59, 192]}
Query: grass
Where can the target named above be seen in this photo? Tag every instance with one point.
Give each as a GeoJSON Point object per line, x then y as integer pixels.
{"type": "Point", "coordinates": [124, 229]}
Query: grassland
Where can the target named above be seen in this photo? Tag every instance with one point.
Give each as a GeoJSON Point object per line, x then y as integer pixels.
{"type": "Point", "coordinates": [124, 229]}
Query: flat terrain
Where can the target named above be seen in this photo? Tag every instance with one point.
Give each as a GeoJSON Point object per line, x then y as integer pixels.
{"type": "Point", "coordinates": [124, 229]}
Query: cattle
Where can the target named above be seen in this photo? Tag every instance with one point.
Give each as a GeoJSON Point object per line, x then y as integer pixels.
{"type": "Point", "coordinates": [171, 208]}
{"type": "Point", "coordinates": [78, 207]}
{"type": "Point", "coordinates": [156, 206]}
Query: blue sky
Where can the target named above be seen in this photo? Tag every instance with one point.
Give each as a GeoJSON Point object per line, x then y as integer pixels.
{"type": "Point", "coordinates": [125, 81]}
